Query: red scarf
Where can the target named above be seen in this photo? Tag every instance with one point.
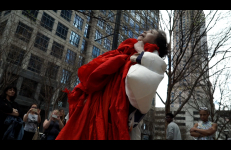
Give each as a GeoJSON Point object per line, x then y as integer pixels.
{"type": "Point", "coordinates": [98, 105]}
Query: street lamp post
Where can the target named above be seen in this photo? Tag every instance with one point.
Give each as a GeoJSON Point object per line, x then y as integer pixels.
{"type": "Point", "coordinates": [226, 134]}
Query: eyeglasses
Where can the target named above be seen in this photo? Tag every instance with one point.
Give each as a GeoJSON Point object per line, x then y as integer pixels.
{"type": "Point", "coordinates": [34, 107]}
{"type": "Point", "coordinates": [203, 108]}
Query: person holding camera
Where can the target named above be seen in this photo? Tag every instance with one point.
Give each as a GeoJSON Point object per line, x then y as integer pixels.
{"type": "Point", "coordinates": [53, 126]}
{"type": "Point", "coordinates": [32, 119]}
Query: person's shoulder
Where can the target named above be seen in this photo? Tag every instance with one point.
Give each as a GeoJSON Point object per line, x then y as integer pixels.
{"type": "Point", "coordinates": [172, 124]}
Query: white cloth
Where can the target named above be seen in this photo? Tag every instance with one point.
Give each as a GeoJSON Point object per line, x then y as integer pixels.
{"type": "Point", "coordinates": [173, 132]}
{"type": "Point", "coordinates": [142, 80]}
{"type": "Point", "coordinates": [31, 123]}
{"type": "Point", "coordinates": [67, 117]}
{"type": "Point", "coordinates": [135, 134]}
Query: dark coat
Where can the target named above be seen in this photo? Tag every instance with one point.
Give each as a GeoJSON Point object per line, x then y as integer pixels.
{"type": "Point", "coordinates": [15, 131]}
{"type": "Point", "coordinates": [7, 107]}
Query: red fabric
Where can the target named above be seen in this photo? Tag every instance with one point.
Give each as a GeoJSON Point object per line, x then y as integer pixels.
{"type": "Point", "coordinates": [101, 96]}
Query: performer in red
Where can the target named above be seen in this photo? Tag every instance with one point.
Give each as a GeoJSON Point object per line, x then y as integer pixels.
{"type": "Point", "coordinates": [99, 105]}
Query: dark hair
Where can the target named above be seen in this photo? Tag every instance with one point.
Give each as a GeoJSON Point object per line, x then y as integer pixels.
{"type": "Point", "coordinates": [6, 89]}
{"type": "Point", "coordinates": [32, 105]}
{"type": "Point", "coordinates": [161, 42]}
{"type": "Point", "coordinates": [170, 115]}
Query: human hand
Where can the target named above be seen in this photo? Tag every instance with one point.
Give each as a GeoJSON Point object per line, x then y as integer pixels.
{"type": "Point", "coordinates": [133, 57]}
{"type": "Point", "coordinates": [38, 112]}
{"type": "Point", "coordinates": [139, 46]}
{"type": "Point", "coordinates": [30, 110]}
{"type": "Point", "coordinates": [15, 110]}
{"type": "Point", "coordinates": [193, 129]}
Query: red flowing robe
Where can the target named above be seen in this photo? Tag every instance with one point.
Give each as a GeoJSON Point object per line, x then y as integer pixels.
{"type": "Point", "coordinates": [98, 105]}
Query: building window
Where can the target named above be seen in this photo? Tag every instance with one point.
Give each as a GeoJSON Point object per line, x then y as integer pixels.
{"type": "Point", "coordinates": [47, 21]}
{"type": "Point", "coordinates": [57, 50]}
{"type": "Point", "coordinates": [130, 34]}
{"type": "Point", "coordinates": [66, 14]}
{"type": "Point", "coordinates": [52, 71]}
{"type": "Point", "coordinates": [7, 12]}
{"type": "Point", "coordinates": [98, 37]}
{"type": "Point", "coordinates": [62, 99]}
{"type": "Point", "coordinates": [95, 52]}
{"type": "Point", "coordinates": [103, 11]}
{"type": "Point", "coordinates": [78, 22]}
{"type": "Point", "coordinates": [138, 17]}
{"type": "Point", "coordinates": [89, 16]}
{"type": "Point", "coordinates": [108, 29]}
{"type": "Point", "coordinates": [61, 31]}
{"type": "Point", "coordinates": [28, 88]}
{"type": "Point", "coordinates": [65, 76]}
{"type": "Point", "coordinates": [196, 119]}
{"type": "Point", "coordinates": [142, 23]}
{"type": "Point", "coordinates": [179, 118]}
{"type": "Point", "coordinates": [125, 29]}
{"type": "Point", "coordinates": [82, 11]}
{"type": "Point", "coordinates": [77, 81]}
{"type": "Point", "coordinates": [133, 13]}
{"type": "Point", "coordinates": [100, 23]}
{"type": "Point", "coordinates": [23, 32]}
{"type": "Point", "coordinates": [81, 60]}
{"type": "Point", "coordinates": [45, 91]}
{"type": "Point", "coordinates": [31, 14]}
{"type": "Point", "coordinates": [131, 22]}
{"type": "Point", "coordinates": [86, 31]}
{"type": "Point", "coordinates": [83, 47]}
{"type": "Point", "coordinates": [125, 17]}
{"type": "Point", "coordinates": [15, 55]}
{"type": "Point", "coordinates": [41, 42]}
{"type": "Point", "coordinates": [156, 18]}
{"type": "Point", "coordinates": [74, 39]}
{"type": "Point", "coordinates": [121, 38]}
{"type": "Point", "coordinates": [111, 15]}
{"type": "Point", "coordinates": [35, 63]}
{"type": "Point", "coordinates": [70, 57]}
{"type": "Point", "coordinates": [107, 43]}
{"type": "Point", "coordinates": [195, 113]}
{"type": "Point", "coordinates": [181, 124]}
{"type": "Point", "coordinates": [137, 28]}
{"type": "Point", "coordinates": [181, 112]}
{"type": "Point", "coordinates": [2, 27]}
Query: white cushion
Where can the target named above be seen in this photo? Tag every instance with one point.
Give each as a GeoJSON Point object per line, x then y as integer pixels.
{"type": "Point", "coordinates": [142, 81]}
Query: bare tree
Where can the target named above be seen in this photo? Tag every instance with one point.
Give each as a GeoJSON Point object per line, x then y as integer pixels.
{"type": "Point", "coordinates": [191, 54]}
{"type": "Point", "coordinates": [25, 48]}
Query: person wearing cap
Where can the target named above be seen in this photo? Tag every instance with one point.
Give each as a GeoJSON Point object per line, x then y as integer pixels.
{"type": "Point", "coordinates": [204, 129]}
{"type": "Point", "coordinates": [173, 130]}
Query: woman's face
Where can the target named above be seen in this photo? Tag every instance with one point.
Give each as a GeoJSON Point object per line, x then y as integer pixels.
{"type": "Point", "coordinates": [148, 36]}
{"type": "Point", "coordinates": [10, 92]}
{"type": "Point", "coordinates": [61, 112]}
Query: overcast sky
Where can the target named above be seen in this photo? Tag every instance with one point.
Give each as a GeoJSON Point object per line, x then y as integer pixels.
{"type": "Point", "coordinates": [221, 25]}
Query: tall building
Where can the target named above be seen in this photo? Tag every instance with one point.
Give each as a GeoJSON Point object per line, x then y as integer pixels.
{"type": "Point", "coordinates": [190, 43]}
{"type": "Point", "coordinates": [46, 48]}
